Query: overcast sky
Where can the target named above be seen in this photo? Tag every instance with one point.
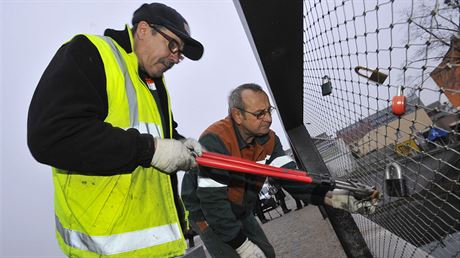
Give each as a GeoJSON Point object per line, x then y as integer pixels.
{"type": "Point", "coordinates": [31, 33]}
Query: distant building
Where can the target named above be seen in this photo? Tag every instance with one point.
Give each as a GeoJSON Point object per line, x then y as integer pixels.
{"type": "Point", "coordinates": [393, 133]}
{"type": "Point", "coordinates": [336, 154]}
{"type": "Point", "coordinates": [385, 132]}
{"type": "Point", "coordinates": [359, 129]}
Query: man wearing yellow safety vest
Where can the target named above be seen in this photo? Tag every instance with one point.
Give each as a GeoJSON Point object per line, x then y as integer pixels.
{"type": "Point", "coordinates": [101, 117]}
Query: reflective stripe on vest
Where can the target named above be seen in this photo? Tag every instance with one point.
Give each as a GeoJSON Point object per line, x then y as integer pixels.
{"type": "Point", "coordinates": [148, 128]}
{"type": "Point", "coordinates": [130, 92]}
{"type": "Point", "coordinates": [119, 243]}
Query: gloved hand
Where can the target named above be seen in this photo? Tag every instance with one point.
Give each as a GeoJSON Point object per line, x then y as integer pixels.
{"type": "Point", "coordinates": [342, 199]}
{"type": "Point", "coordinates": [249, 250]}
{"type": "Point", "coordinates": [172, 155]}
{"type": "Point", "coordinates": [193, 145]}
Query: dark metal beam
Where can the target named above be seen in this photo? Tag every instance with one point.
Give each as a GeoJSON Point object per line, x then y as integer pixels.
{"type": "Point", "coordinates": [276, 37]}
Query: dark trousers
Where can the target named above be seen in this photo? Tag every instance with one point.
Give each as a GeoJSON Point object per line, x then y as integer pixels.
{"type": "Point", "coordinates": [219, 249]}
{"type": "Point", "coordinates": [280, 197]}
{"type": "Point", "coordinates": [298, 203]}
{"type": "Point", "coordinates": [258, 210]}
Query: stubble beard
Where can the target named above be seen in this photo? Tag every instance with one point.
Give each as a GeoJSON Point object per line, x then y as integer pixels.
{"type": "Point", "coordinates": [166, 64]}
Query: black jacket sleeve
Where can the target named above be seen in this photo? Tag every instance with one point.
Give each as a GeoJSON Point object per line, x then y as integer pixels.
{"type": "Point", "coordinates": [176, 135]}
{"type": "Point", "coordinates": [66, 127]}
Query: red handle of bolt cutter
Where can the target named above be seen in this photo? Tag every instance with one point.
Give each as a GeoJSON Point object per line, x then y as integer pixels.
{"type": "Point", "coordinates": [209, 159]}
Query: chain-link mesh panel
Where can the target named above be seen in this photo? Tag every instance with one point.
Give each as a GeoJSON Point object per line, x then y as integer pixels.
{"type": "Point", "coordinates": [382, 96]}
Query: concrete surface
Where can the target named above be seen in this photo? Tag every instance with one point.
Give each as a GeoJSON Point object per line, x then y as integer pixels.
{"type": "Point", "coordinates": [300, 234]}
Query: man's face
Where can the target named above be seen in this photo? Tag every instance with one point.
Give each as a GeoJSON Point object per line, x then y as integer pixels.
{"type": "Point", "coordinates": [254, 103]}
{"type": "Point", "coordinates": [153, 49]}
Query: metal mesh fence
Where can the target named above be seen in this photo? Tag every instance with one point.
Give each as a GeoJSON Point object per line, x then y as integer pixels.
{"type": "Point", "coordinates": [382, 95]}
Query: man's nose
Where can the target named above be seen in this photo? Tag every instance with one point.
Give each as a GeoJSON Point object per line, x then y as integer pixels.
{"type": "Point", "coordinates": [175, 57]}
{"type": "Point", "coordinates": [267, 117]}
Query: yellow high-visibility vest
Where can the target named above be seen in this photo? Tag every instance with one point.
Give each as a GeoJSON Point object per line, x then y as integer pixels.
{"type": "Point", "coordinates": [126, 215]}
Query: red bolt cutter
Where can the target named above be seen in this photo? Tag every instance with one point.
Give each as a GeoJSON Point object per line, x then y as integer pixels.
{"type": "Point", "coordinates": [220, 161]}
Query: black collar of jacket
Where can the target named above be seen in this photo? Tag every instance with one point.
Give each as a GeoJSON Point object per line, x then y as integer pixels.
{"type": "Point", "coordinates": [121, 37]}
{"type": "Point", "coordinates": [242, 144]}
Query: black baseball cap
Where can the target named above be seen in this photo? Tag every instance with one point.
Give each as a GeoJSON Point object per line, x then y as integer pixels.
{"type": "Point", "coordinates": [160, 14]}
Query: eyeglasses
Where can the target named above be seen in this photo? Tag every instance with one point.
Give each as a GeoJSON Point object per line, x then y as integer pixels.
{"type": "Point", "coordinates": [173, 45]}
{"type": "Point", "coordinates": [261, 114]}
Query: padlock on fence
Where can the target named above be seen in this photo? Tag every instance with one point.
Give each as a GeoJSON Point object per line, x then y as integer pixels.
{"type": "Point", "coordinates": [326, 86]}
{"type": "Point", "coordinates": [398, 103]}
{"type": "Point", "coordinates": [394, 181]}
{"type": "Point", "coordinates": [375, 76]}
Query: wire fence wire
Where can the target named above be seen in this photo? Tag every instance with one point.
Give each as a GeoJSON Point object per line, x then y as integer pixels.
{"type": "Point", "coordinates": [361, 60]}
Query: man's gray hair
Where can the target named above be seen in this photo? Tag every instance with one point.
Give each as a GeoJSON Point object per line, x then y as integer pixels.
{"type": "Point", "coordinates": [235, 100]}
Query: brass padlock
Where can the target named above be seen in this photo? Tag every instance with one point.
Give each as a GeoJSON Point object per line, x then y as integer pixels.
{"type": "Point", "coordinates": [375, 76]}
{"type": "Point", "coordinates": [394, 181]}
{"type": "Point", "coordinates": [326, 86]}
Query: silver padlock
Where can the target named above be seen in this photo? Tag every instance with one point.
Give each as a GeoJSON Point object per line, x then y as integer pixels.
{"type": "Point", "coordinates": [326, 86]}
{"type": "Point", "coordinates": [394, 181]}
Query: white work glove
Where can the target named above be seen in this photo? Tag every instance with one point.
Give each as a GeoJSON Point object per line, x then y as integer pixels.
{"type": "Point", "coordinates": [249, 250]}
{"type": "Point", "coordinates": [172, 155]}
{"type": "Point", "coordinates": [193, 145]}
{"type": "Point", "coordinates": [342, 199]}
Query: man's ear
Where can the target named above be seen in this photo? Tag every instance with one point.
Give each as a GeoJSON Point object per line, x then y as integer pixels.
{"type": "Point", "coordinates": [142, 29]}
{"type": "Point", "coordinates": [237, 116]}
